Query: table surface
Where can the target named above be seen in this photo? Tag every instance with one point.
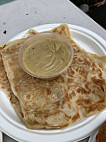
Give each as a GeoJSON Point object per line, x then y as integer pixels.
{"type": "Point", "coordinates": [19, 15]}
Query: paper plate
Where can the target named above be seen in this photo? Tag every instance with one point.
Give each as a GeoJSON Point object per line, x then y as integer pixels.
{"type": "Point", "coordinates": [1, 137]}
{"type": "Point", "coordinates": [93, 137]}
{"type": "Point", "coordinates": [10, 123]}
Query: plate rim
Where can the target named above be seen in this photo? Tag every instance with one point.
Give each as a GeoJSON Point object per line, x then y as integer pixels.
{"type": "Point", "coordinates": [93, 136]}
{"type": "Point", "coordinates": [94, 35]}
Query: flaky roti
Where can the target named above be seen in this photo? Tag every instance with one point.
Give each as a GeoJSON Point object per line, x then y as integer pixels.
{"type": "Point", "coordinates": [101, 61]}
{"type": "Point", "coordinates": [4, 82]}
{"type": "Point", "coordinates": [5, 86]}
{"type": "Point", "coordinates": [30, 33]}
{"type": "Point", "coordinates": [76, 94]}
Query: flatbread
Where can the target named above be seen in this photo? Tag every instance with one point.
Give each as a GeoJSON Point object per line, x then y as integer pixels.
{"type": "Point", "coordinates": [101, 61]}
{"type": "Point", "coordinates": [30, 32]}
{"type": "Point", "coordinates": [5, 86]}
{"type": "Point", "coordinates": [73, 96]}
{"type": "Point", "coordinates": [4, 82]}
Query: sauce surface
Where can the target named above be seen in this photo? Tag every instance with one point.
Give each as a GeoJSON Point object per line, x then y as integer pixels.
{"type": "Point", "coordinates": [46, 57]}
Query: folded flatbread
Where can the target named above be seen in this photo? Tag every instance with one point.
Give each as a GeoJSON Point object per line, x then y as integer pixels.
{"type": "Point", "coordinates": [76, 94]}
{"type": "Point", "coordinates": [5, 86]}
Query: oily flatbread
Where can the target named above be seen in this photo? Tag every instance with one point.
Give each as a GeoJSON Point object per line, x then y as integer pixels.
{"type": "Point", "coordinates": [73, 96]}
{"type": "Point", "coordinates": [29, 33]}
{"type": "Point", "coordinates": [4, 82]}
{"type": "Point", "coordinates": [101, 61]}
{"type": "Point", "coordinates": [5, 86]}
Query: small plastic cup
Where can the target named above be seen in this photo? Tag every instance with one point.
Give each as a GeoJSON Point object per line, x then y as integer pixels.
{"type": "Point", "coordinates": [41, 36]}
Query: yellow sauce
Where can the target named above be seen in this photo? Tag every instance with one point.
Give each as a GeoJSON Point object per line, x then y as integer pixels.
{"type": "Point", "coordinates": [46, 57]}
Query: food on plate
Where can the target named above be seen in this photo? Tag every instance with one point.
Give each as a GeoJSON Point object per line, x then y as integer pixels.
{"type": "Point", "coordinates": [5, 86]}
{"type": "Point", "coordinates": [101, 136]}
{"type": "Point", "coordinates": [46, 55]}
{"type": "Point", "coordinates": [77, 93]}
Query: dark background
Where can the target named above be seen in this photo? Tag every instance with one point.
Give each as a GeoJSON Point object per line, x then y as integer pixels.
{"type": "Point", "coordinates": [96, 13]}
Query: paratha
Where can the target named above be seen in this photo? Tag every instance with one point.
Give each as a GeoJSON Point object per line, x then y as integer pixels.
{"type": "Point", "coordinates": [4, 82]}
{"type": "Point", "coordinates": [76, 94]}
{"type": "Point", "coordinates": [5, 86]}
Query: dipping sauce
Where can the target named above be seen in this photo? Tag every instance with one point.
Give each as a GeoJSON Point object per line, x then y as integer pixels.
{"type": "Point", "coordinates": [46, 57]}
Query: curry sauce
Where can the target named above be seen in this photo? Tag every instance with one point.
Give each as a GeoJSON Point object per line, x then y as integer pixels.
{"type": "Point", "coordinates": [46, 57]}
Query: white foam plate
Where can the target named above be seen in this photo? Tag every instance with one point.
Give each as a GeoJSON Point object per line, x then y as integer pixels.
{"type": "Point", "coordinates": [10, 123]}
{"type": "Point", "coordinates": [93, 137]}
{"type": "Point", "coordinates": [1, 137]}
